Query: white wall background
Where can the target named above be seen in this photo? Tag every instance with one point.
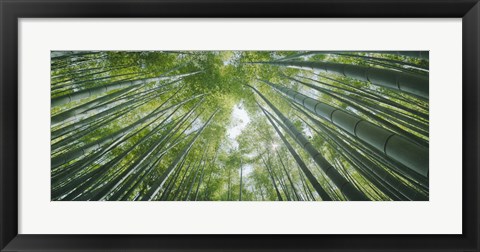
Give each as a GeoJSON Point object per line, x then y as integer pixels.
{"type": "Point", "coordinates": [441, 215]}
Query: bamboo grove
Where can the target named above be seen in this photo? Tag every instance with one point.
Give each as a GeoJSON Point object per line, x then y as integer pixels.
{"type": "Point", "coordinates": [239, 125]}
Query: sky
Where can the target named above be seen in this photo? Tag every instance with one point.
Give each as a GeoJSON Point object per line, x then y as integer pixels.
{"type": "Point", "coordinates": [240, 119]}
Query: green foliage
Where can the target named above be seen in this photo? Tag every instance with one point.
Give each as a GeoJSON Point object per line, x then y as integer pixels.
{"type": "Point", "coordinates": [237, 152]}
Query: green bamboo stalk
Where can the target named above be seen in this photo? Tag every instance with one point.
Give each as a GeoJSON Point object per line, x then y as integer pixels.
{"type": "Point", "coordinates": [311, 178]}
{"type": "Point", "coordinates": [392, 145]}
{"type": "Point", "coordinates": [368, 165]}
{"type": "Point", "coordinates": [61, 100]}
{"type": "Point", "coordinates": [347, 188]}
{"type": "Point", "coordinates": [410, 83]}
{"type": "Point", "coordinates": [279, 196]}
{"type": "Point", "coordinates": [360, 106]}
{"type": "Point", "coordinates": [66, 157]}
{"type": "Point", "coordinates": [161, 180]}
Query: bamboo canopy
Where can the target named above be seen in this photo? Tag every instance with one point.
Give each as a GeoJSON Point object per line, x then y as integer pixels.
{"type": "Point", "coordinates": [239, 126]}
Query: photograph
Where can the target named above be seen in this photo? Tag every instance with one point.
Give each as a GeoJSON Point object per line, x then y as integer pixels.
{"type": "Point", "coordinates": [239, 125]}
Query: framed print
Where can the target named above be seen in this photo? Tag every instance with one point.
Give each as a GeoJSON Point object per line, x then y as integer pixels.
{"type": "Point", "coordinates": [312, 125]}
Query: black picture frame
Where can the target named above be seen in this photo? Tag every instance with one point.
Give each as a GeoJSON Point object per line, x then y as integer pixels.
{"type": "Point", "coordinates": [12, 10]}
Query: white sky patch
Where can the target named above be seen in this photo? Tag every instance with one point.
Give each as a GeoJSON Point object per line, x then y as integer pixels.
{"type": "Point", "coordinates": [228, 61]}
{"type": "Point", "coordinates": [240, 119]}
{"type": "Point", "coordinates": [231, 59]}
{"type": "Point", "coordinates": [195, 126]}
{"type": "Point", "coordinates": [247, 169]}
{"type": "Point", "coordinates": [251, 154]}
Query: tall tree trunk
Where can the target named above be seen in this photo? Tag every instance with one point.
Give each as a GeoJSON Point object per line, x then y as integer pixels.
{"type": "Point", "coordinates": [279, 196]}
{"type": "Point", "coordinates": [346, 187]}
{"type": "Point", "coordinates": [410, 83]}
{"type": "Point", "coordinates": [61, 100]}
{"type": "Point", "coordinates": [385, 177]}
{"type": "Point", "coordinates": [416, 54]}
{"type": "Point", "coordinates": [366, 108]}
{"type": "Point", "coordinates": [392, 145]}
{"type": "Point", "coordinates": [71, 155]}
{"type": "Point", "coordinates": [161, 180]}
{"type": "Point", "coordinates": [292, 185]}
{"type": "Point", "coordinates": [323, 194]}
